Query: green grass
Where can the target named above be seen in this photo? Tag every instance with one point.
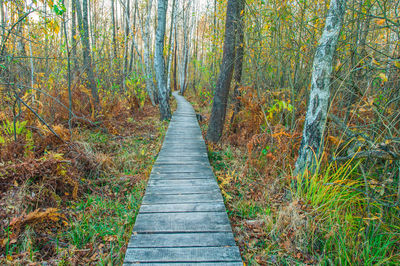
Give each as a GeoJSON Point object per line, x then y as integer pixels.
{"type": "Point", "coordinates": [351, 230]}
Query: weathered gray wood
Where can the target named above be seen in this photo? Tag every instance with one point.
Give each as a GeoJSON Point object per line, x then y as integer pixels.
{"type": "Point", "coordinates": [182, 220]}
{"type": "Point", "coordinates": [182, 240]}
{"type": "Point", "coordinates": [239, 263]}
{"type": "Point", "coordinates": [183, 168]}
{"type": "Point", "coordinates": [189, 254]}
{"type": "Point", "coordinates": [154, 199]}
{"type": "Point", "coordinates": [181, 176]}
{"type": "Point", "coordinates": [181, 182]}
{"type": "Point", "coordinates": [180, 190]}
{"type": "Point", "coordinates": [183, 161]}
{"type": "Point", "coordinates": [184, 207]}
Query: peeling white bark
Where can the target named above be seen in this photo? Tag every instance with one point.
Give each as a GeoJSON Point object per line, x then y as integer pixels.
{"type": "Point", "coordinates": [314, 125]}
{"type": "Point", "coordinates": [146, 52]}
{"type": "Point", "coordinates": [159, 63]}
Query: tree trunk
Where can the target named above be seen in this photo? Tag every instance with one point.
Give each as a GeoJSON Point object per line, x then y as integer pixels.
{"type": "Point", "coordinates": [186, 47]}
{"type": "Point", "coordinates": [170, 47]}
{"type": "Point", "coordinates": [73, 36]}
{"type": "Point", "coordinates": [314, 125]}
{"type": "Point", "coordinates": [175, 58]}
{"type": "Point", "coordinates": [126, 43]}
{"type": "Point", "coordinates": [159, 63]}
{"type": "Point", "coordinates": [87, 59]}
{"type": "Point", "coordinates": [217, 120]}
{"type": "Point", "coordinates": [146, 53]}
{"type": "Point", "coordinates": [133, 43]}
{"type": "Point", "coordinates": [237, 76]}
{"type": "Point", "coordinates": [114, 39]}
{"type": "Point", "coordinates": [2, 21]}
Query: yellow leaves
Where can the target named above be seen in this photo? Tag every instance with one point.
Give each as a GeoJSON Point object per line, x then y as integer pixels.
{"type": "Point", "coordinates": [397, 64]}
{"type": "Point", "coordinates": [380, 22]}
{"type": "Point", "coordinates": [383, 77]}
{"type": "Point", "coordinates": [53, 26]}
{"type": "Point", "coordinates": [338, 65]}
{"type": "Point", "coordinates": [335, 140]}
{"type": "Point", "coordinates": [37, 216]}
{"type": "Point", "coordinates": [375, 62]}
{"type": "Point", "coordinates": [110, 238]}
{"type": "Point", "coordinates": [225, 180]}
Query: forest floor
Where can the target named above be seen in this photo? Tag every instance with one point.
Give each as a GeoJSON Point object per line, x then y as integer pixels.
{"type": "Point", "coordinates": [76, 203]}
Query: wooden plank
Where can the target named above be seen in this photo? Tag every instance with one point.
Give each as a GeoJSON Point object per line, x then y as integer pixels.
{"type": "Point", "coordinates": [183, 161]}
{"type": "Point", "coordinates": [182, 222]}
{"type": "Point", "coordinates": [182, 240]}
{"type": "Point", "coordinates": [206, 172]}
{"type": "Point", "coordinates": [183, 207]}
{"type": "Point", "coordinates": [181, 168]}
{"type": "Point", "coordinates": [195, 149]}
{"type": "Point", "coordinates": [183, 182]}
{"type": "Point", "coordinates": [184, 153]}
{"type": "Point", "coordinates": [239, 263]}
{"type": "Point", "coordinates": [181, 176]}
{"type": "Point", "coordinates": [185, 255]}
{"type": "Point", "coordinates": [187, 198]}
{"type": "Point", "coordinates": [180, 190]}
{"type": "Point", "coordinates": [177, 139]}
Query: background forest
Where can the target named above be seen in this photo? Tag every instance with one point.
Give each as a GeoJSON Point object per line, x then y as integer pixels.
{"type": "Point", "coordinates": [82, 95]}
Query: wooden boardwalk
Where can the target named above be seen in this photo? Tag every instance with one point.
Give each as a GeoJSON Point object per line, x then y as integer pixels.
{"type": "Point", "coordinates": [182, 219]}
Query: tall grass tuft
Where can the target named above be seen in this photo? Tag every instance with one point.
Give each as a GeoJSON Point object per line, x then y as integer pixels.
{"type": "Point", "coordinates": [351, 227]}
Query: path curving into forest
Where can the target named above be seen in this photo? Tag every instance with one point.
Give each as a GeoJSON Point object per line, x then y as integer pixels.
{"type": "Point", "coordinates": [182, 219]}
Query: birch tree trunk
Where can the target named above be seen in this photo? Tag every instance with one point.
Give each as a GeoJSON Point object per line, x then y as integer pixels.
{"type": "Point", "coordinates": [2, 21]}
{"type": "Point", "coordinates": [186, 47]}
{"type": "Point", "coordinates": [126, 43]}
{"type": "Point", "coordinates": [73, 35]}
{"type": "Point", "coordinates": [132, 54]}
{"type": "Point", "coordinates": [314, 125]}
{"type": "Point", "coordinates": [217, 120]}
{"type": "Point", "coordinates": [159, 63]}
{"type": "Point", "coordinates": [175, 60]}
{"type": "Point", "coordinates": [114, 39]}
{"type": "Point", "coordinates": [87, 59]}
{"type": "Point", "coordinates": [146, 52]}
{"type": "Point", "coordinates": [170, 47]}
{"type": "Point", "coordinates": [237, 76]}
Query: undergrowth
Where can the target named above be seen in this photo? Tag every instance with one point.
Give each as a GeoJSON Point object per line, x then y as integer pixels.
{"type": "Point", "coordinates": [76, 202]}
{"type": "Point", "coordinates": [344, 214]}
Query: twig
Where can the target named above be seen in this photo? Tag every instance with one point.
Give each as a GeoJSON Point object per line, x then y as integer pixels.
{"type": "Point", "coordinates": [10, 30]}
{"type": "Point", "coordinates": [374, 154]}
{"type": "Point", "coordinates": [38, 116]}
{"type": "Point", "coordinates": [75, 116]}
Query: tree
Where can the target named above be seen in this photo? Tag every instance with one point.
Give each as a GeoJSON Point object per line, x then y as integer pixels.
{"type": "Point", "coordinates": [186, 48]}
{"type": "Point", "coordinates": [159, 63]}
{"type": "Point", "coordinates": [87, 59]}
{"type": "Point", "coordinates": [217, 120]}
{"type": "Point", "coordinates": [73, 35]}
{"type": "Point", "coordinates": [171, 47]}
{"type": "Point", "coordinates": [237, 76]}
{"type": "Point", "coordinates": [146, 52]}
{"type": "Point", "coordinates": [314, 125]}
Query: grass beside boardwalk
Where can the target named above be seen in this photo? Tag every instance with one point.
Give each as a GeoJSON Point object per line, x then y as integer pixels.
{"type": "Point", "coordinates": [80, 203]}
